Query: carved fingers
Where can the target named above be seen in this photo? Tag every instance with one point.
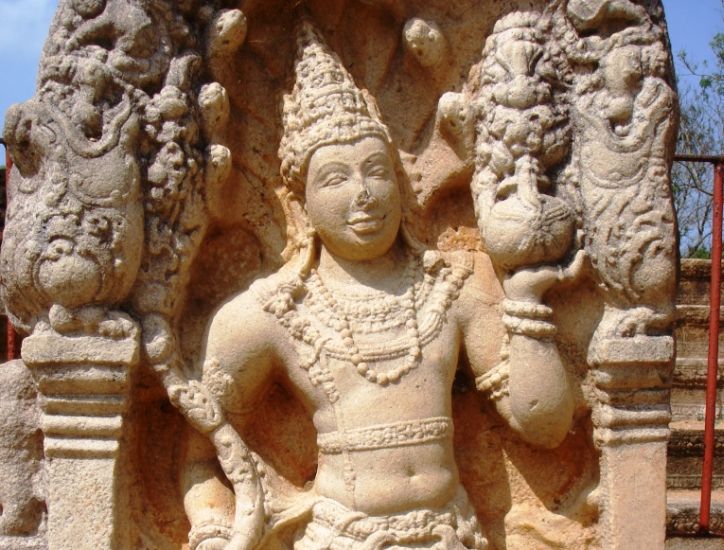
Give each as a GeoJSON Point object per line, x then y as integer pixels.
{"type": "Point", "coordinates": [530, 284]}
{"type": "Point", "coordinates": [574, 269]}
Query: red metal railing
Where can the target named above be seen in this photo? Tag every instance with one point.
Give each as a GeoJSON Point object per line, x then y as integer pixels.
{"type": "Point", "coordinates": [707, 470]}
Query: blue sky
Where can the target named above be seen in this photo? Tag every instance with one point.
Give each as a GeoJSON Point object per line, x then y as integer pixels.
{"type": "Point", "coordinates": [24, 24]}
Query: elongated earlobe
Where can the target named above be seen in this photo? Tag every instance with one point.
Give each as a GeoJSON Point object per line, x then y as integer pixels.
{"type": "Point", "coordinates": [304, 236]}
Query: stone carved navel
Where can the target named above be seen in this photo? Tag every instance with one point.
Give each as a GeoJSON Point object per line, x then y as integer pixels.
{"type": "Point", "coordinates": [478, 198]}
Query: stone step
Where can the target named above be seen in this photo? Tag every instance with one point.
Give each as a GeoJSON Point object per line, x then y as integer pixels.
{"type": "Point", "coordinates": [682, 512]}
{"type": "Point", "coordinates": [688, 391]}
{"type": "Point", "coordinates": [694, 543]}
{"type": "Point", "coordinates": [687, 437]}
{"type": "Point", "coordinates": [692, 339]}
{"type": "Point", "coordinates": [696, 314]}
{"type": "Point", "coordinates": [691, 329]}
{"type": "Point", "coordinates": [690, 372]}
{"type": "Point", "coordinates": [688, 405]}
{"type": "Point", "coordinates": [685, 456]}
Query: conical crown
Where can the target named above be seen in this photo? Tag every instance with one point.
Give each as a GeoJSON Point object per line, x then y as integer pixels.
{"type": "Point", "coordinates": [325, 106]}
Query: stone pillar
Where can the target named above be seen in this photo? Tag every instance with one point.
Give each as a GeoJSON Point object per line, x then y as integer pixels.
{"type": "Point", "coordinates": [83, 387]}
{"type": "Point", "coordinates": [631, 421]}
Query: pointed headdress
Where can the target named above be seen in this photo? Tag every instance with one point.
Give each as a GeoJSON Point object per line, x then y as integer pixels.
{"type": "Point", "coordinates": [325, 107]}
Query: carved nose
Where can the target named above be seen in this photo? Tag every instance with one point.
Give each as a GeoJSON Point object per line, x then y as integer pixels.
{"type": "Point", "coordinates": [364, 198]}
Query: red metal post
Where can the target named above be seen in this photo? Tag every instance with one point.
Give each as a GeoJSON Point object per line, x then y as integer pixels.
{"type": "Point", "coordinates": [713, 357]}
{"type": "Point", "coordinates": [11, 336]}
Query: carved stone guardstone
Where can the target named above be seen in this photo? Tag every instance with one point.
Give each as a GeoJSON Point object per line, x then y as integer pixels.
{"type": "Point", "coordinates": [340, 274]}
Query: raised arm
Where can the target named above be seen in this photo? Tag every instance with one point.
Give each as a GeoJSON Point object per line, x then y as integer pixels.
{"type": "Point", "coordinates": [529, 384]}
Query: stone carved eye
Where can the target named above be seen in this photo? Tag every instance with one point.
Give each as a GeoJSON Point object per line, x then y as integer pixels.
{"type": "Point", "coordinates": [378, 171]}
{"type": "Point", "coordinates": [334, 179]}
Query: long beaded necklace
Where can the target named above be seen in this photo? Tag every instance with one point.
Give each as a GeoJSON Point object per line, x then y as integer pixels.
{"type": "Point", "coordinates": [440, 287]}
{"type": "Point", "coordinates": [343, 327]}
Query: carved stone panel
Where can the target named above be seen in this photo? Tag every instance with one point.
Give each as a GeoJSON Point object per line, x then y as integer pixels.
{"type": "Point", "coordinates": [338, 274]}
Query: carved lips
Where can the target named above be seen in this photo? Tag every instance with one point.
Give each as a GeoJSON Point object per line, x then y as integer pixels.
{"type": "Point", "coordinates": [364, 224]}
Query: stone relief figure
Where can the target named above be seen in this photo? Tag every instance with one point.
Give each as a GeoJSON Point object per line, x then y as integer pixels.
{"type": "Point", "coordinates": [624, 125]}
{"type": "Point", "coordinates": [426, 305]}
{"type": "Point", "coordinates": [365, 326]}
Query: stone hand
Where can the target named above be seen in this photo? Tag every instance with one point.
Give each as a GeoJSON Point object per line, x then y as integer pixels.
{"type": "Point", "coordinates": [530, 284]}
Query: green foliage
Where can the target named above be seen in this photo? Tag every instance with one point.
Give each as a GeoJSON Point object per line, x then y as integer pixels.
{"type": "Point", "coordinates": [700, 254]}
{"type": "Point", "coordinates": [701, 132]}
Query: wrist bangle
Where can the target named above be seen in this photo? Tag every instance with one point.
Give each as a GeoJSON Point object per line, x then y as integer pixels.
{"type": "Point", "coordinates": [526, 310]}
{"type": "Point", "coordinates": [207, 530]}
{"type": "Point", "coordinates": [534, 328]}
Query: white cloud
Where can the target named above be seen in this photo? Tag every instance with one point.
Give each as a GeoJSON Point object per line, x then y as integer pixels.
{"type": "Point", "coordinates": [24, 26]}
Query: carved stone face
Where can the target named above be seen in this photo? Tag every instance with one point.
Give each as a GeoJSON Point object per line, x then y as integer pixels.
{"type": "Point", "coordinates": [353, 199]}
{"type": "Point", "coordinates": [622, 69]}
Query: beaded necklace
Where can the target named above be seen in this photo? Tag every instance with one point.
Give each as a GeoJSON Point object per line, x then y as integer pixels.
{"type": "Point", "coordinates": [440, 287]}
{"type": "Point", "coordinates": [341, 324]}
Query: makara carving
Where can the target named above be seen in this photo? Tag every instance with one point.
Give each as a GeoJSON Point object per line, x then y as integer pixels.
{"type": "Point", "coordinates": [404, 268]}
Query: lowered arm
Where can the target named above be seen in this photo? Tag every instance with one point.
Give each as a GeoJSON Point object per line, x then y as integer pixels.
{"type": "Point", "coordinates": [237, 364]}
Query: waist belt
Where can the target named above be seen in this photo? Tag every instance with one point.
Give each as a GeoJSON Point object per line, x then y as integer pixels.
{"type": "Point", "coordinates": [406, 527]}
{"type": "Point", "coordinates": [384, 436]}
